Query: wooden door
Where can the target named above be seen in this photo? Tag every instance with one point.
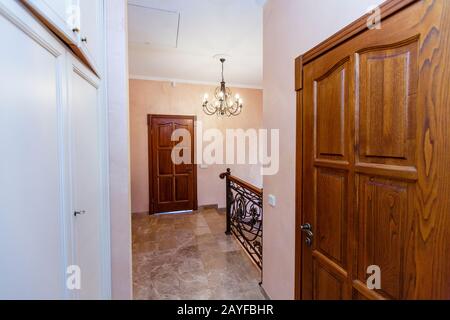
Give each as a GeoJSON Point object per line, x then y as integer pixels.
{"type": "Point", "coordinates": [172, 187]}
{"type": "Point", "coordinates": [375, 161]}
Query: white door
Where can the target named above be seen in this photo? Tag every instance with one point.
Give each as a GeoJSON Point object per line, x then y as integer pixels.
{"type": "Point", "coordinates": [87, 187]}
{"type": "Point", "coordinates": [90, 30]}
{"type": "Point", "coordinates": [64, 16]}
{"type": "Point", "coordinates": [33, 205]}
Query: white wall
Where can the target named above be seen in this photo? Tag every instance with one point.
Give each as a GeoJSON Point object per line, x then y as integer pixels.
{"type": "Point", "coordinates": [291, 27]}
{"type": "Point", "coordinates": [119, 147]}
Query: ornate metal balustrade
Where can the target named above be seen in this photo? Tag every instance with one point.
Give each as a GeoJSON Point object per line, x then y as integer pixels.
{"type": "Point", "coordinates": [245, 215]}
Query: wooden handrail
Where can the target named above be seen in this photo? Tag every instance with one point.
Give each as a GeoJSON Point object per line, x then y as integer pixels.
{"type": "Point", "coordinates": [242, 183]}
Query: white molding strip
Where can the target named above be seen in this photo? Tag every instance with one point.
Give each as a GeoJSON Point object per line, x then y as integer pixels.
{"type": "Point", "coordinates": [207, 83]}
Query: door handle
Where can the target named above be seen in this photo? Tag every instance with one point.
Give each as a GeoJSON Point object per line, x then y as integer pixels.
{"type": "Point", "coordinates": [79, 213]}
{"type": "Point", "coordinates": [307, 230]}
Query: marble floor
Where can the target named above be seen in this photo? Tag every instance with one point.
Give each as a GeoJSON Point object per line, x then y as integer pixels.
{"type": "Point", "coordinates": [188, 256]}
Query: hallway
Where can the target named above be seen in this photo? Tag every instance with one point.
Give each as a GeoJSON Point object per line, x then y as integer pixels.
{"type": "Point", "coordinates": [188, 256]}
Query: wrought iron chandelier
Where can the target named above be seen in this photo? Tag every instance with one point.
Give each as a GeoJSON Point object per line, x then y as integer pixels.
{"type": "Point", "coordinates": [223, 104]}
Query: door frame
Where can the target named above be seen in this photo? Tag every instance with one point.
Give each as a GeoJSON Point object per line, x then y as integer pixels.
{"type": "Point", "coordinates": [387, 8]}
{"type": "Point", "coordinates": [150, 117]}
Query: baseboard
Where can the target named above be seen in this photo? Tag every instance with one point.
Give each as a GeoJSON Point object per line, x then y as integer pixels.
{"type": "Point", "coordinates": [140, 213]}
{"type": "Point", "coordinates": [208, 207]}
{"type": "Point", "coordinates": [263, 291]}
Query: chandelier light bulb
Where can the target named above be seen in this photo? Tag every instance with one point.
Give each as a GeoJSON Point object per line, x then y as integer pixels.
{"type": "Point", "coordinates": [205, 97]}
{"type": "Point", "coordinates": [238, 97]}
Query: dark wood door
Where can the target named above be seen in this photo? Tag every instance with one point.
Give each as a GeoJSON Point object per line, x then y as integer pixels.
{"type": "Point", "coordinates": [173, 187]}
{"type": "Point", "coordinates": [375, 182]}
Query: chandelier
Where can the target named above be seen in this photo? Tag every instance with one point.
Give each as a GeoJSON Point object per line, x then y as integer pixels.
{"type": "Point", "coordinates": [223, 104]}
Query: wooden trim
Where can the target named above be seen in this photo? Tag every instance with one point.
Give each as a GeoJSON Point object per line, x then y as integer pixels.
{"type": "Point", "coordinates": [156, 116]}
{"type": "Point", "coordinates": [150, 158]}
{"type": "Point", "coordinates": [298, 194]}
{"type": "Point", "coordinates": [388, 8]}
{"type": "Point", "coordinates": [151, 209]}
{"type": "Point", "coordinates": [299, 73]}
{"type": "Point", "coordinates": [369, 294]}
{"type": "Point", "coordinates": [246, 185]}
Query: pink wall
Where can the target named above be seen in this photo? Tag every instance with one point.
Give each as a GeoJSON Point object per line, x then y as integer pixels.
{"type": "Point", "coordinates": [155, 97]}
{"type": "Point", "coordinates": [291, 27]}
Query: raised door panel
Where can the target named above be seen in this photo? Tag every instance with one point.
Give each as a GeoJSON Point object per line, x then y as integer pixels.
{"type": "Point", "coordinates": [331, 99]}
{"type": "Point", "coordinates": [388, 83]}
{"type": "Point", "coordinates": [182, 188]}
{"type": "Point", "coordinates": [330, 235]}
{"type": "Point", "coordinates": [165, 189]}
{"type": "Point", "coordinates": [165, 166]}
{"type": "Point", "coordinates": [34, 245]}
{"type": "Point", "coordinates": [164, 131]}
{"type": "Point", "coordinates": [327, 286]}
{"type": "Point", "coordinates": [384, 221]}
{"type": "Point", "coordinates": [183, 148]}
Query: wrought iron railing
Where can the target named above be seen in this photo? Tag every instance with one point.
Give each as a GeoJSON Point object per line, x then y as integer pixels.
{"type": "Point", "coordinates": [245, 215]}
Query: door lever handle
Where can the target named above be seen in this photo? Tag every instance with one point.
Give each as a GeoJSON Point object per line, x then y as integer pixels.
{"type": "Point", "coordinates": [79, 213]}
{"type": "Point", "coordinates": [308, 233]}
{"type": "Point", "coordinates": [307, 229]}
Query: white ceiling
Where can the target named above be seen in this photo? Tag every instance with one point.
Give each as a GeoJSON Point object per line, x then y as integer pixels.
{"type": "Point", "coordinates": [176, 40]}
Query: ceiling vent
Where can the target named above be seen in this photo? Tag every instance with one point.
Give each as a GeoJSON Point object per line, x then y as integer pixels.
{"type": "Point", "coordinates": [153, 26]}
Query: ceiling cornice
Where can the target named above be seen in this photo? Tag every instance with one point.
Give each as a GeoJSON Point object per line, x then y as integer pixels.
{"type": "Point", "coordinates": [207, 83]}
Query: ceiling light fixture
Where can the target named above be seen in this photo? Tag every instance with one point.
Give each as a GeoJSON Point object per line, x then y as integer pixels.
{"type": "Point", "coordinates": [223, 104]}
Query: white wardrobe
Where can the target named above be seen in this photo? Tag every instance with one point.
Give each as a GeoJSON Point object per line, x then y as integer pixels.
{"type": "Point", "coordinates": [54, 210]}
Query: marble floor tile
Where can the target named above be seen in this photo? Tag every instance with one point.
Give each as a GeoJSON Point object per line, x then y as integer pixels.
{"type": "Point", "coordinates": [188, 256]}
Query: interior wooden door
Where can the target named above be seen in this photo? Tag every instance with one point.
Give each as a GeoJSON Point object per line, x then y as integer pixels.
{"type": "Point", "coordinates": [173, 187]}
{"type": "Point", "coordinates": [375, 153]}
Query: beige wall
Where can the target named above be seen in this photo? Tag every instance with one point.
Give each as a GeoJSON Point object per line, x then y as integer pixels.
{"type": "Point", "coordinates": [154, 97]}
{"type": "Point", "coordinates": [291, 27]}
